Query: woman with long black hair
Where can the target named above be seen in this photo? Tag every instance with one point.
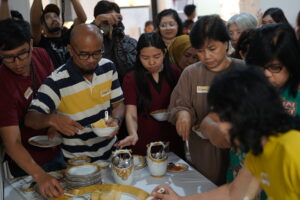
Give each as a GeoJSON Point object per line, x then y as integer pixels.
{"type": "Point", "coordinates": [147, 89]}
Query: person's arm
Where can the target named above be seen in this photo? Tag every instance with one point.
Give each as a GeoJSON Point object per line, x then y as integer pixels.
{"type": "Point", "coordinates": [61, 123]}
{"type": "Point", "coordinates": [118, 111]}
{"type": "Point", "coordinates": [4, 10]}
{"type": "Point", "coordinates": [35, 20]}
{"type": "Point", "coordinates": [109, 19]}
{"type": "Point", "coordinates": [81, 16]}
{"type": "Point", "coordinates": [11, 137]}
{"type": "Point", "coordinates": [117, 116]}
{"type": "Point", "coordinates": [244, 186]}
{"type": "Point", "coordinates": [210, 129]}
{"type": "Point", "coordinates": [183, 124]}
{"type": "Point", "coordinates": [181, 111]}
{"type": "Point", "coordinates": [131, 118]}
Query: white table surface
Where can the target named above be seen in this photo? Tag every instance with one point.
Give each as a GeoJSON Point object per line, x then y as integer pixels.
{"type": "Point", "coordinates": [184, 183]}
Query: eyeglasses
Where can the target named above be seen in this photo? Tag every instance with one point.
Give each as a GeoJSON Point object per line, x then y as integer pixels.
{"type": "Point", "coordinates": [168, 26]}
{"type": "Point", "coordinates": [85, 56]}
{"type": "Point", "coordinates": [12, 59]}
{"type": "Point", "coordinates": [274, 68]}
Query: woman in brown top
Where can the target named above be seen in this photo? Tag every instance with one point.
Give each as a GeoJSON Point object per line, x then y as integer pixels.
{"type": "Point", "coordinates": [188, 106]}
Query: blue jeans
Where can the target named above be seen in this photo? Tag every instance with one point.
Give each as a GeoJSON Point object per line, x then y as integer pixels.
{"type": "Point", "coordinates": [57, 163]}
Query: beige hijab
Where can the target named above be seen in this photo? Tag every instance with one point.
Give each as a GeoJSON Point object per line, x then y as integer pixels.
{"type": "Point", "coordinates": [176, 49]}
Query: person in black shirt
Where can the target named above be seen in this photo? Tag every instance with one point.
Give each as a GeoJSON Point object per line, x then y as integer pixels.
{"type": "Point", "coordinates": [48, 31]}
{"type": "Point", "coordinates": [118, 47]}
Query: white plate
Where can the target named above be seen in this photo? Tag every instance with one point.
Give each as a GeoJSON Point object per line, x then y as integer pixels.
{"type": "Point", "coordinates": [194, 128]}
{"type": "Point", "coordinates": [79, 160]}
{"type": "Point", "coordinates": [104, 164]}
{"type": "Point", "coordinates": [44, 142]}
{"type": "Point", "coordinates": [83, 170]}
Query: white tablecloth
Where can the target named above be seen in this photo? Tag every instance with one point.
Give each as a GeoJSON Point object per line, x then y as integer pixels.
{"type": "Point", "coordinates": [184, 183]}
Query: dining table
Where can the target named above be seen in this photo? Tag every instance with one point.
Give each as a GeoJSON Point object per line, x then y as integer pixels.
{"type": "Point", "coordinates": [186, 182]}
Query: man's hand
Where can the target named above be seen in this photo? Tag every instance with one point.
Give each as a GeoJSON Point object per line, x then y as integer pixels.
{"type": "Point", "coordinates": [64, 124]}
{"type": "Point", "coordinates": [49, 187]}
{"type": "Point", "coordinates": [183, 124]}
{"type": "Point", "coordinates": [52, 133]}
{"type": "Point", "coordinates": [112, 122]}
{"type": "Point", "coordinates": [109, 19]}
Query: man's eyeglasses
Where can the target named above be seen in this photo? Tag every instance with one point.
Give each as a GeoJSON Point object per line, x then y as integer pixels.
{"type": "Point", "coordinates": [85, 56]}
{"type": "Point", "coordinates": [12, 59]}
{"type": "Point", "coordinates": [274, 68]}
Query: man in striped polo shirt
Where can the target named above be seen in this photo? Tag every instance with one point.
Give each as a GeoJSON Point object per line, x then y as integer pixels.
{"type": "Point", "coordinates": [77, 94]}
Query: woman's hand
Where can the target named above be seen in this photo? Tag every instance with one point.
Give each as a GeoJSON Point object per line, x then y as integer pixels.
{"type": "Point", "coordinates": [168, 193]}
{"type": "Point", "coordinates": [183, 124]}
{"type": "Point", "coordinates": [216, 134]}
{"type": "Point", "coordinates": [128, 141]}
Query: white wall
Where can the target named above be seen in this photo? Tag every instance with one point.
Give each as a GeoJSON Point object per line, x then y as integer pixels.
{"type": "Point", "coordinates": [23, 6]}
{"type": "Point", "coordinates": [289, 7]}
{"type": "Point", "coordinates": [204, 7]}
{"type": "Point", "coordinates": [207, 7]}
{"type": "Point", "coordinates": [20, 5]}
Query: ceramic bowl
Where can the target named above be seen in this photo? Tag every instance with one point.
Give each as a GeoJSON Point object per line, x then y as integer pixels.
{"type": "Point", "coordinates": [160, 115]}
{"type": "Point", "coordinates": [104, 132]}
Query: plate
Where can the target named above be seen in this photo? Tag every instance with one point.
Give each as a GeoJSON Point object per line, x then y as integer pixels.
{"type": "Point", "coordinates": [108, 191]}
{"type": "Point", "coordinates": [103, 164]}
{"type": "Point", "coordinates": [44, 142]}
{"type": "Point", "coordinates": [195, 130]}
{"type": "Point", "coordinates": [177, 167]}
{"type": "Point", "coordinates": [79, 160]}
{"type": "Point", "coordinates": [139, 161]}
{"type": "Point", "coordinates": [85, 169]}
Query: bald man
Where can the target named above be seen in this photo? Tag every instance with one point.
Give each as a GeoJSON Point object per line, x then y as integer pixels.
{"type": "Point", "coordinates": [77, 94]}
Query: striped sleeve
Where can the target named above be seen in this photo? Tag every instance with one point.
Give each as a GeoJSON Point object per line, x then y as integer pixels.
{"type": "Point", "coordinates": [116, 90]}
{"type": "Point", "coordinates": [47, 98]}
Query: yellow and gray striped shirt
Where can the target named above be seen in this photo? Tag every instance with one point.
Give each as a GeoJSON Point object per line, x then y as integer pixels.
{"type": "Point", "coordinates": [67, 92]}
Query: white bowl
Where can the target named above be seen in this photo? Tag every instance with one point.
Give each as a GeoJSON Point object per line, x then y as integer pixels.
{"type": "Point", "coordinates": [104, 132]}
{"type": "Point", "coordinates": [160, 115]}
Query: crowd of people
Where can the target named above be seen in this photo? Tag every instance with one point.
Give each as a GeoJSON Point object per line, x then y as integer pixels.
{"type": "Point", "coordinates": [56, 81]}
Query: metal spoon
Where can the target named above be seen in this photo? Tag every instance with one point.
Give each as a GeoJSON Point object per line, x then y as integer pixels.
{"type": "Point", "coordinates": [106, 116]}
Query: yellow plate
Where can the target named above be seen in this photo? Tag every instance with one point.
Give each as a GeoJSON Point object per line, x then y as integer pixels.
{"type": "Point", "coordinates": [108, 191]}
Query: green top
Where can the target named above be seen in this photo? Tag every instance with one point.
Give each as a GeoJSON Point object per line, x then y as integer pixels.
{"type": "Point", "coordinates": [290, 103]}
